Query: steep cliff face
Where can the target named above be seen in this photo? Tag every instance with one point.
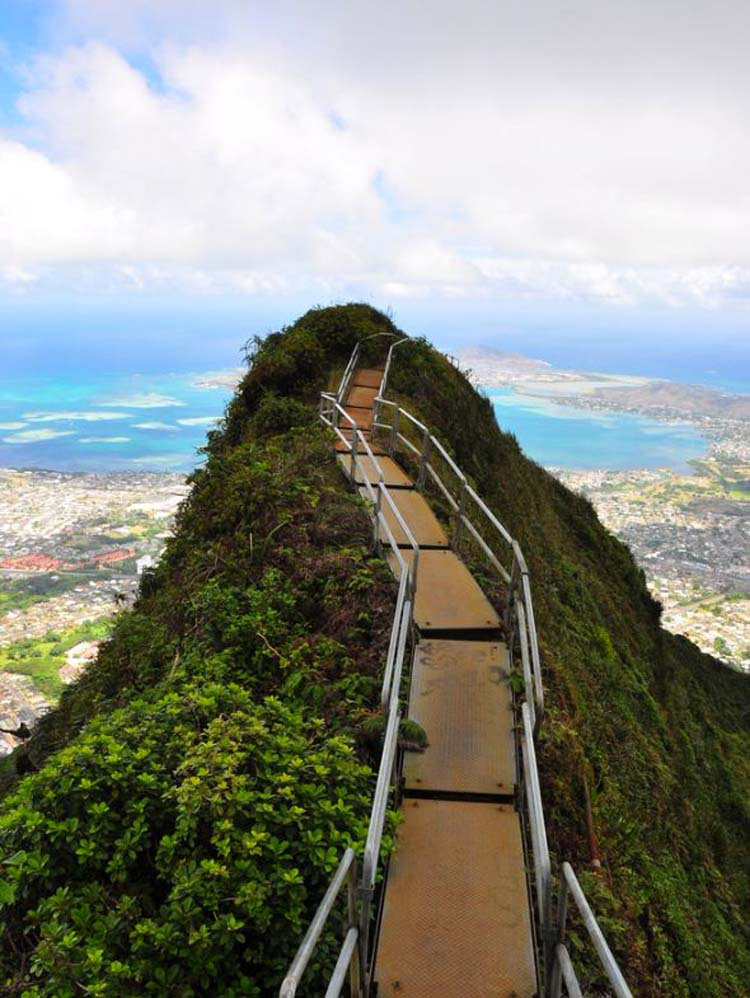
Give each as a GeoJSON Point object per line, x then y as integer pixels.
{"type": "Point", "coordinates": [660, 731]}
{"type": "Point", "coordinates": [195, 789]}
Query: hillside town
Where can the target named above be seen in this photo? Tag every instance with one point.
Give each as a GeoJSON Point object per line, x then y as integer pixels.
{"type": "Point", "coordinates": [72, 548]}
{"type": "Point", "coordinates": [692, 541]}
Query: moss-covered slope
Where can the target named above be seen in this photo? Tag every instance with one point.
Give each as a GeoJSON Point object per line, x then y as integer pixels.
{"type": "Point", "coordinates": [660, 730]}
{"type": "Point", "coordinates": [195, 789]}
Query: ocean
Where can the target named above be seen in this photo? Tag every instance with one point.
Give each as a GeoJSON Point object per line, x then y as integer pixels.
{"type": "Point", "coordinates": [158, 422]}
{"type": "Point", "coordinates": [116, 422]}
{"type": "Point", "coordinates": [577, 439]}
{"type": "Point", "coordinates": [87, 388]}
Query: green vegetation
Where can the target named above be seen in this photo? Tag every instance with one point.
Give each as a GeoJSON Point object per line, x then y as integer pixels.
{"type": "Point", "coordinates": [195, 790]}
{"type": "Point", "coordinates": [41, 658]}
{"type": "Point", "coordinates": [721, 647]}
{"type": "Point", "coordinates": [23, 593]}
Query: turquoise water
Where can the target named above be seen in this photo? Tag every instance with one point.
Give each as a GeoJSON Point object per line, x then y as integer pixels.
{"type": "Point", "coordinates": [562, 436]}
{"type": "Point", "coordinates": [158, 423]}
{"type": "Point", "coordinates": [106, 422]}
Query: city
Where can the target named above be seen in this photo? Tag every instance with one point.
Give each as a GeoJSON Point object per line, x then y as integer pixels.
{"type": "Point", "coordinates": [71, 549]}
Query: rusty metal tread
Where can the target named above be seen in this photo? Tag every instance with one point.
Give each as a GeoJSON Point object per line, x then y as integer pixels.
{"type": "Point", "coordinates": [417, 515]}
{"type": "Point", "coordinates": [392, 473]}
{"type": "Point", "coordinates": [342, 448]}
{"type": "Point", "coordinates": [362, 417]}
{"type": "Point", "coordinates": [448, 596]}
{"type": "Point", "coordinates": [367, 377]}
{"type": "Point", "coordinates": [456, 914]}
{"type": "Point", "coordinates": [461, 697]}
{"type": "Point", "coordinates": [361, 396]}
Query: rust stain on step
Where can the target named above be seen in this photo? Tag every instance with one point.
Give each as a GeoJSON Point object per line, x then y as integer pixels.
{"type": "Point", "coordinates": [362, 397]}
{"type": "Point", "coordinates": [367, 377]}
{"type": "Point", "coordinates": [392, 473]}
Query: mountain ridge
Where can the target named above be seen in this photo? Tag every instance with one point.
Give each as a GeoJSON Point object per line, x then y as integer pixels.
{"type": "Point", "coordinates": [166, 773]}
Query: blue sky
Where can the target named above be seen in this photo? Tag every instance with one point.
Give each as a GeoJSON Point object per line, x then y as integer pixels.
{"type": "Point", "coordinates": [525, 168]}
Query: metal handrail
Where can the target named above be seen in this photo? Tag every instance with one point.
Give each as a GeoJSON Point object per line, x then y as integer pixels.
{"type": "Point", "coordinates": [346, 868]}
{"type": "Point", "coordinates": [569, 887]}
{"type": "Point", "coordinates": [520, 612]}
{"type": "Point", "coordinates": [356, 946]}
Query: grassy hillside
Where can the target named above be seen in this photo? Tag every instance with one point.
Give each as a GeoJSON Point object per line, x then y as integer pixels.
{"type": "Point", "coordinates": [194, 790]}
{"type": "Point", "coordinates": [661, 731]}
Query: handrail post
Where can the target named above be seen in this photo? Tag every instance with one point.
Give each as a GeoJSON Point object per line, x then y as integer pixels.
{"type": "Point", "coordinates": [356, 980]}
{"type": "Point", "coordinates": [376, 517]}
{"type": "Point", "coordinates": [424, 457]}
{"type": "Point", "coordinates": [554, 976]}
{"type": "Point", "coordinates": [512, 583]}
{"type": "Point", "coordinates": [353, 467]}
{"type": "Point", "coordinates": [394, 430]}
{"type": "Point", "coordinates": [460, 513]}
{"type": "Point", "coordinates": [365, 902]}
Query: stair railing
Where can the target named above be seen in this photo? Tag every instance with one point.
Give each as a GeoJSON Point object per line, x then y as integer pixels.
{"type": "Point", "coordinates": [521, 627]}
{"type": "Point", "coordinates": [355, 955]}
{"type": "Point", "coordinates": [406, 433]}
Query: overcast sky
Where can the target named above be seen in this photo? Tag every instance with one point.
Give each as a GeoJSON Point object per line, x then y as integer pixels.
{"type": "Point", "coordinates": [404, 151]}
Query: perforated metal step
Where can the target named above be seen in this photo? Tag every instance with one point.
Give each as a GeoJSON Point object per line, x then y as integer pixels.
{"type": "Point", "coordinates": [368, 377]}
{"type": "Point", "coordinates": [361, 396]}
{"type": "Point", "coordinates": [417, 515]}
{"type": "Point", "coordinates": [392, 473]}
{"type": "Point", "coordinates": [448, 597]}
{"type": "Point", "coordinates": [456, 917]}
{"type": "Point", "coordinates": [461, 697]}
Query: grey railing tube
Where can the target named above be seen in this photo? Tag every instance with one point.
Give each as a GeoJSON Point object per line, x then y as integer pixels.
{"type": "Point", "coordinates": [564, 969]}
{"type": "Point", "coordinates": [528, 682]}
{"type": "Point", "coordinates": [536, 819]}
{"type": "Point", "coordinates": [608, 962]}
{"type": "Point", "coordinates": [348, 951]}
{"type": "Point", "coordinates": [290, 983]}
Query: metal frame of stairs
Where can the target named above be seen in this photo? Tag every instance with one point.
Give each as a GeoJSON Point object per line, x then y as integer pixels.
{"type": "Point", "coordinates": [473, 522]}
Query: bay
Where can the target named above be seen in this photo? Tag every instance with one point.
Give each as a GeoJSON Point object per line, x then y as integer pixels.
{"type": "Point", "coordinates": [108, 422]}
{"type": "Point", "coordinates": [565, 436]}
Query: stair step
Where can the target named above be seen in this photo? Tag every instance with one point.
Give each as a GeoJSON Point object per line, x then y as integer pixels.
{"type": "Point", "coordinates": [362, 417]}
{"type": "Point", "coordinates": [393, 475]}
{"type": "Point", "coordinates": [461, 697]}
{"type": "Point", "coordinates": [448, 597]}
{"type": "Point", "coordinates": [417, 515]}
{"type": "Point", "coordinates": [456, 914]}
{"type": "Point", "coordinates": [346, 448]}
{"type": "Point", "coordinates": [362, 397]}
{"type": "Point", "coordinates": [368, 377]}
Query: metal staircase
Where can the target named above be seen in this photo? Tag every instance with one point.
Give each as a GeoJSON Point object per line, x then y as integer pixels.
{"type": "Point", "coordinates": [458, 913]}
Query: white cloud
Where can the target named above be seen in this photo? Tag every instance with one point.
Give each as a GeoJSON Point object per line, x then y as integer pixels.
{"type": "Point", "coordinates": [104, 440]}
{"type": "Point", "coordinates": [36, 436]}
{"type": "Point", "coordinates": [143, 400]}
{"type": "Point", "coordinates": [91, 416]}
{"type": "Point", "coordinates": [525, 150]}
